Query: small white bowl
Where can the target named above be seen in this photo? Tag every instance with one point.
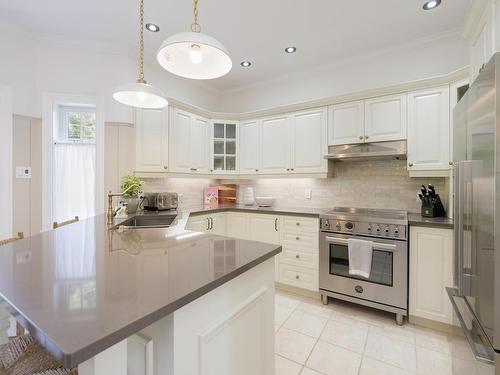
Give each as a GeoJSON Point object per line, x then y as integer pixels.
{"type": "Point", "coordinates": [264, 201]}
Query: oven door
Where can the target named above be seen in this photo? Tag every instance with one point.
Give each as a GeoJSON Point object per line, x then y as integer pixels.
{"type": "Point", "coordinates": [388, 281]}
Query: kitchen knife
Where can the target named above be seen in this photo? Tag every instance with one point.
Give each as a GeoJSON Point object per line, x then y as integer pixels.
{"type": "Point", "coordinates": [423, 190]}
{"type": "Point", "coordinates": [432, 191]}
{"type": "Point", "coordinates": [421, 197]}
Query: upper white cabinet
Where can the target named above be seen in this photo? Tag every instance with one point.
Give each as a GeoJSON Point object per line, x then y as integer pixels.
{"type": "Point", "coordinates": [309, 141]}
{"type": "Point", "coordinates": [481, 32]}
{"type": "Point", "coordinates": [385, 118]}
{"type": "Point", "coordinates": [429, 129]}
{"type": "Point", "coordinates": [249, 154]}
{"type": "Point", "coordinates": [275, 144]}
{"type": "Point", "coordinates": [188, 142]}
{"type": "Point", "coordinates": [373, 120]}
{"type": "Point", "coordinates": [347, 123]}
{"type": "Point", "coordinates": [224, 147]}
{"type": "Point", "coordinates": [151, 129]}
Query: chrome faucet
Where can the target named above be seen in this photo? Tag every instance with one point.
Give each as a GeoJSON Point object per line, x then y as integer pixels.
{"type": "Point", "coordinates": [111, 212]}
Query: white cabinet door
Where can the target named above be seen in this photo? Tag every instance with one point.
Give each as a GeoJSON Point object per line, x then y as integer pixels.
{"type": "Point", "coordinates": [429, 129]}
{"type": "Point", "coordinates": [198, 145]}
{"type": "Point", "coordinates": [151, 129]}
{"type": "Point", "coordinates": [309, 143]}
{"type": "Point", "coordinates": [275, 145]}
{"type": "Point", "coordinates": [249, 147]}
{"type": "Point", "coordinates": [385, 118]}
{"type": "Point", "coordinates": [198, 223]}
{"type": "Point", "coordinates": [431, 271]}
{"type": "Point", "coordinates": [218, 224]}
{"type": "Point", "coordinates": [263, 228]}
{"type": "Point", "coordinates": [224, 147]}
{"type": "Point", "coordinates": [346, 123]}
{"type": "Point", "coordinates": [180, 140]}
{"type": "Point", "coordinates": [236, 225]}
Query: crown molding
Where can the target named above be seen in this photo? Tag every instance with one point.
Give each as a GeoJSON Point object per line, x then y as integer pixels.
{"type": "Point", "coordinates": [457, 75]}
{"type": "Point", "coordinates": [474, 16]}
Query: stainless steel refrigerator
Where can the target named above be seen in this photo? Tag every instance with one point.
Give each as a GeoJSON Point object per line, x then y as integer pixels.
{"type": "Point", "coordinates": [476, 176]}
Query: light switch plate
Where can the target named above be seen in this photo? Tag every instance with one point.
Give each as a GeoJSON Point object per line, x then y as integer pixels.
{"type": "Point", "coordinates": [308, 193]}
{"type": "Point", "coordinates": [23, 172]}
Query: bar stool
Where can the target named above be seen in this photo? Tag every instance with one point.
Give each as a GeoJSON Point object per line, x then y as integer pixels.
{"type": "Point", "coordinates": [63, 223]}
{"type": "Point", "coordinates": [24, 356]}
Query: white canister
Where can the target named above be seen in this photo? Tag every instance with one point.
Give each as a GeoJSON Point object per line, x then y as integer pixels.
{"type": "Point", "coordinates": [248, 196]}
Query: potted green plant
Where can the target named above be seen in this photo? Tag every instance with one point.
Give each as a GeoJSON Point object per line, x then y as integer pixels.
{"type": "Point", "coordinates": [131, 187]}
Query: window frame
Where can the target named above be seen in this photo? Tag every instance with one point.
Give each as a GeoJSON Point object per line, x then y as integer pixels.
{"type": "Point", "coordinates": [63, 124]}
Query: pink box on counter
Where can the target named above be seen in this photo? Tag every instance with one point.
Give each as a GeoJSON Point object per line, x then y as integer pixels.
{"type": "Point", "coordinates": [211, 196]}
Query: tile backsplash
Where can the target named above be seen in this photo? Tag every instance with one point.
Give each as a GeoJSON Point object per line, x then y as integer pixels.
{"type": "Point", "coordinates": [372, 184]}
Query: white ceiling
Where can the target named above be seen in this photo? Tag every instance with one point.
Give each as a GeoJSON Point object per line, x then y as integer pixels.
{"type": "Point", "coordinates": [324, 31]}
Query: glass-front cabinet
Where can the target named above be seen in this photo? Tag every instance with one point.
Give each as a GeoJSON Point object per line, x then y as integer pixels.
{"type": "Point", "coordinates": [224, 147]}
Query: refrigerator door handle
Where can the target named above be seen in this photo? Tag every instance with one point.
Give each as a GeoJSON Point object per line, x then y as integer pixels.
{"type": "Point", "coordinates": [458, 224]}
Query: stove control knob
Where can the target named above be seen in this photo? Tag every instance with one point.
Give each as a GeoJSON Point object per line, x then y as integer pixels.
{"type": "Point", "coordinates": [386, 230]}
{"type": "Point", "coordinates": [337, 226]}
{"type": "Point", "coordinates": [349, 225]}
{"type": "Point", "coordinates": [326, 223]}
{"type": "Point", "coordinates": [396, 231]}
{"type": "Point", "coordinates": [377, 229]}
{"type": "Point", "coordinates": [369, 228]}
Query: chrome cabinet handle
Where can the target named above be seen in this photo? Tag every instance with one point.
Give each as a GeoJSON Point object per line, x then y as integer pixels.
{"type": "Point", "coordinates": [208, 223]}
{"type": "Point", "coordinates": [193, 169]}
{"type": "Point", "coordinates": [276, 224]}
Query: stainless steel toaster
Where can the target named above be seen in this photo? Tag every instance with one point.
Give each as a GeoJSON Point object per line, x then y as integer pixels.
{"type": "Point", "coordinates": [160, 201]}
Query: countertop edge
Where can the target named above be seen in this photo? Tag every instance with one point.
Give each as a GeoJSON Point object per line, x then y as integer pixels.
{"type": "Point", "coordinates": [72, 360]}
{"type": "Point", "coordinates": [416, 220]}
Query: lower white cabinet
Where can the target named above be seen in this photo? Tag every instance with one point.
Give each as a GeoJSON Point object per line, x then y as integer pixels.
{"type": "Point", "coordinates": [297, 265]}
{"type": "Point", "coordinates": [431, 271]}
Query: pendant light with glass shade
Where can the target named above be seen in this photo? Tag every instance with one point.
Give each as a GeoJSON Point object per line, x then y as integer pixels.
{"type": "Point", "coordinates": [140, 94]}
{"type": "Point", "coordinates": [193, 54]}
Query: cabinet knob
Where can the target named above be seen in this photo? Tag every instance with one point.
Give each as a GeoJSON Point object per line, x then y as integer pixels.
{"type": "Point", "coordinates": [297, 238]}
{"type": "Point", "coordinates": [450, 163]}
{"type": "Point", "coordinates": [165, 167]}
{"type": "Point", "coordinates": [410, 164]}
{"type": "Point", "coordinates": [292, 169]}
{"type": "Point", "coordinates": [288, 169]}
{"type": "Point", "coordinates": [366, 136]}
{"type": "Point", "coordinates": [256, 170]}
{"type": "Point", "coordinates": [361, 137]}
{"type": "Point", "coordinates": [297, 277]}
{"type": "Point", "coordinates": [297, 256]}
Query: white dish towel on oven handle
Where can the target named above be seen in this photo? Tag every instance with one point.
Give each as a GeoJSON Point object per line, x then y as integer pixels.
{"type": "Point", "coordinates": [360, 257]}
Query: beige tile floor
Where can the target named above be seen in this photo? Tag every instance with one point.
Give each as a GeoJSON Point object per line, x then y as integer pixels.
{"type": "Point", "coordinates": [344, 339]}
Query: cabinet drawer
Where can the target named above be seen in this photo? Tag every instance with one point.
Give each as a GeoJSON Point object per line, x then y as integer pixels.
{"type": "Point", "coordinates": [299, 276]}
{"type": "Point", "coordinates": [297, 257]}
{"type": "Point", "coordinates": [305, 240]}
{"type": "Point", "coordinates": [300, 224]}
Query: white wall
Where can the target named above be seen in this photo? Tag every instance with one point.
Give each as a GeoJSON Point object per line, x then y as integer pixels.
{"type": "Point", "coordinates": [417, 60]}
{"type": "Point", "coordinates": [34, 65]}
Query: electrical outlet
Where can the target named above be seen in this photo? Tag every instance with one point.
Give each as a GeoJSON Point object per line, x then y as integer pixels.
{"type": "Point", "coordinates": [308, 193]}
{"type": "Point", "coordinates": [23, 172]}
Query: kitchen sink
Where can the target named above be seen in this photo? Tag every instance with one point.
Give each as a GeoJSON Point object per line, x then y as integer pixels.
{"type": "Point", "coordinates": [159, 221]}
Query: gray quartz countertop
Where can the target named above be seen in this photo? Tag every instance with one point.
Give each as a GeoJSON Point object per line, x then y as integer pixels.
{"type": "Point", "coordinates": [82, 288]}
{"type": "Point", "coordinates": [302, 211]}
{"type": "Point", "coordinates": [417, 220]}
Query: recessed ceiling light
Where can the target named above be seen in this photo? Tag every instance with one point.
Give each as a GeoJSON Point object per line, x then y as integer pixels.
{"type": "Point", "coordinates": [431, 4]}
{"type": "Point", "coordinates": [152, 27]}
{"type": "Point", "coordinates": [246, 64]}
{"type": "Point", "coordinates": [290, 49]}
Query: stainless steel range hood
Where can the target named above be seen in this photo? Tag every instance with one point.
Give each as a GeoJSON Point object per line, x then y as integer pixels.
{"type": "Point", "coordinates": [365, 151]}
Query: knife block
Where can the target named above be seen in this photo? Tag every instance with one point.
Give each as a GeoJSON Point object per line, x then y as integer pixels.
{"type": "Point", "coordinates": [433, 208]}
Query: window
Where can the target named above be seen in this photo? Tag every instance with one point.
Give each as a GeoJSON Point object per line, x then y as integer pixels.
{"type": "Point", "coordinates": [77, 124]}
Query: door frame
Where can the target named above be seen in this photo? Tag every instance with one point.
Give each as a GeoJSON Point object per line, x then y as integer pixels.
{"type": "Point", "coordinates": [49, 103]}
{"type": "Point", "coordinates": [6, 167]}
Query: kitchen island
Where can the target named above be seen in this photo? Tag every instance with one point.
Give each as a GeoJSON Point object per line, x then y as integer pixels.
{"type": "Point", "coordinates": [200, 303]}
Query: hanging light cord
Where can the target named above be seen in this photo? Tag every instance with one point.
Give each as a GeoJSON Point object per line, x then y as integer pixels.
{"type": "Point", "coordinates": [141, 43]}
{"type": "Point", "coordinates": [195, 26]}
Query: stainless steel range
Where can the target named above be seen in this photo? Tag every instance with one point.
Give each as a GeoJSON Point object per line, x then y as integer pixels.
{"type": "Point", "coordinates": [386, 288]}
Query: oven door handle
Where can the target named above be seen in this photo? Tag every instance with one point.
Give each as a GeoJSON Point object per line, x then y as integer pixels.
{"type": "Point", "coordinates": [376, 245]}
